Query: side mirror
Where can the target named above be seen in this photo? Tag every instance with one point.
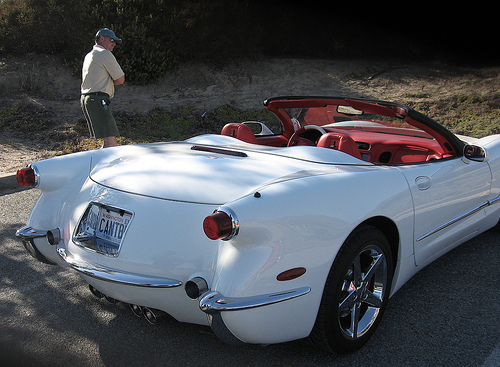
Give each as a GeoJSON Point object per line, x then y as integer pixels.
{"type": "Point", "coordinates": [474, 153]}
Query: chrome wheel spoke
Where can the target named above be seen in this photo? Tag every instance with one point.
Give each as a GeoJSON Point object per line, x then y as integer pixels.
{"type": "Point", "coordinates": [348, 303]}
{"type": "Point", "coordinates": [358, 276]}
{"type": "Point", "coordinates": [377, 260]}
{"type": "Point", "coordinates": [355, 315]}
{"type": "Point", "coordinates": [373, 300]}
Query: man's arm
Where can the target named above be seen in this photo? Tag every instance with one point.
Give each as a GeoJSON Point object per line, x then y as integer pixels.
{"type": "Point", "coordinates": [120, 80]}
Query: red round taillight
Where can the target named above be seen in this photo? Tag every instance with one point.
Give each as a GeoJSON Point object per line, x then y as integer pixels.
{"type": "Point", "coordinates": [220, 226]}
{"type": "Point", "coordinates": [26, 177]}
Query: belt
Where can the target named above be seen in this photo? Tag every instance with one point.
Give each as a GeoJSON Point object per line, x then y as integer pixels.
{"type": "Point", "coordinates": [96, 94]}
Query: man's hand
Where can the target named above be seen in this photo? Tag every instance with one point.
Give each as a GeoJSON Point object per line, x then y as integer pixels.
{"type": "Point", "coordinates": [120, 80]}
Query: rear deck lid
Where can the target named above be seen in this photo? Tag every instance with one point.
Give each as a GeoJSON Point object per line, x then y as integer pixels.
{"type": "Point", "coordinates": [191, 172]}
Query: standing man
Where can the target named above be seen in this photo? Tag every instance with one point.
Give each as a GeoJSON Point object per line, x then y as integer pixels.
{"type": "Point", "coordinates": [100, 73]}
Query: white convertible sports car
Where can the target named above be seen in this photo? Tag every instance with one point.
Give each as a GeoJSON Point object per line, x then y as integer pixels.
{"type": "Point", "coordinates": [269, 236]}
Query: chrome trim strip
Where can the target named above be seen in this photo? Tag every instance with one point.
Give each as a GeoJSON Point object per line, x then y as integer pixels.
{"type": "Point", "coordinates": [460, 217]}
{"type": "Point", "coordinates": [112, 275]}
{"type": "Point", "coordinates": [213, 301]}
{"type": "Point", "coordinates": [495, 200]}
{"type": "Point", "coordinates": [37, 174]}
{"type": "Point", "coordinates": [235, 223]}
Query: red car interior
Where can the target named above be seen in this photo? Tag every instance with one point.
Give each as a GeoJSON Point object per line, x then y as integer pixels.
{"type": "Point", "coordinates": [377, 133]}
{"type": "Point", "coordinates": [239, 131]}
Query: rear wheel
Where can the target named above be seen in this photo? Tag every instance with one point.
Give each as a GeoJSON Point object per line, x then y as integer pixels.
{"type": "Point", "coordinates": [356, 292]}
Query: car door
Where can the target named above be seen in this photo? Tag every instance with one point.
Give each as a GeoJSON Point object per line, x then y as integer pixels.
{"type": "Point", "coordinates": [447, 195]}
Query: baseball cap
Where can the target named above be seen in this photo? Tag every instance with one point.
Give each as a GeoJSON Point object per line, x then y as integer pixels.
{"type": "Point", "coordinates": [106, 32]}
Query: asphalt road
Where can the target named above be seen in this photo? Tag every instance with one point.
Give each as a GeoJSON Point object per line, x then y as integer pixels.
{"type": "Point", "coordinates": [447, 315]}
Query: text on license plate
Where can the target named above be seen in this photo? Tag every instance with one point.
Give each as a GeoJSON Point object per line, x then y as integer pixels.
{"type": "Point", "coordinates": [103, 228]}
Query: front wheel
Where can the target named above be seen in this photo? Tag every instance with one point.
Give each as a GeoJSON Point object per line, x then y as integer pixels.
{"type": "Point", "coordinates": [356, 292]}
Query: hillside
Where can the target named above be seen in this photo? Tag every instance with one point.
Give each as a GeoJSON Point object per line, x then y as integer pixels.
{"type": "Point", "coordinates": [45, 87]}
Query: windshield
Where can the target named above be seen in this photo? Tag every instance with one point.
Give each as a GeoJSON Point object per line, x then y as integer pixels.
{"type": "Point", "coordinates": [346, 117]}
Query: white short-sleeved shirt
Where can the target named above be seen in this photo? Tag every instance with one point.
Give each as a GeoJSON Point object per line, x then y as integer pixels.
{"type": "Point", "coordinates": [100, 70]}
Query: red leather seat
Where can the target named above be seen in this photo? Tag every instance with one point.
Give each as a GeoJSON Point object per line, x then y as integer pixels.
{"type": "Point", "coordinates": [239, 131]}
{"type": "Point", "coordinates": [341, 142]}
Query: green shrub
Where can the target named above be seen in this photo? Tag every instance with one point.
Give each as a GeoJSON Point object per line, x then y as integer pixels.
{"type": "Point", "coordinates": [157, 34]}
{"type": "Point", "coordinates": [470, 115]}
{"type": "Point", "coordinates": [25, 119]}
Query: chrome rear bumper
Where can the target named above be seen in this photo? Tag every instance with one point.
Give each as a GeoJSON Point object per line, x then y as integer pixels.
{"type": "Point", "coordinates": [28, 234]}
{"type": "Point", "coordinates": [113, 275]}
{"type": "Point", "coordinates": [213, 302]}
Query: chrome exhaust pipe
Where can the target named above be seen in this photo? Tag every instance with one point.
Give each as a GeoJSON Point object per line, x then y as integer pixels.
{"type": "Point", "coordinates": [54, 236]}
{"type": "Point", "coordinates": [111, 300]}
{"type": "Point", "coordinates": [137, 310]}
{"type": "Point", "coordinates": [196, 287]}
{"type": "Point", "coordinates": [95, 292]}
{"type": "Point", "coordinates": [152, 315]}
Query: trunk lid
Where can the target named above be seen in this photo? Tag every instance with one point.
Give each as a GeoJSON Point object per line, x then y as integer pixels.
{"type": "Point", "coordinates": [187, 172]}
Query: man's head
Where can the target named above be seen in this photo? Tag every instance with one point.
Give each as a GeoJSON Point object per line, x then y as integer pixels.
{"type": "Point", "coordinates": [107, 39]}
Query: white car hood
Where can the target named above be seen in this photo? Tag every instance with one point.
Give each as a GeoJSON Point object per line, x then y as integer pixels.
{"type": "Point", "coordinates": [207, 174]}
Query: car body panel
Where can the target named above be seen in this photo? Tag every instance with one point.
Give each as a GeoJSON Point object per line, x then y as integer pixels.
{"type": "Point", "coordinates": [435, 204]}
{"type": "Point", "coordinates": [250, 263]}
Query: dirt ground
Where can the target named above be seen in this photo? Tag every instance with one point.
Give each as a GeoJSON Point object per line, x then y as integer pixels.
{"type": "Point", "coordinates": [243, 85]}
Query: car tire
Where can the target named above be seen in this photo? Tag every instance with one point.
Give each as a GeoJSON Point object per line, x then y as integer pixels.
{"type": "Point", "coordinates": [353, 302]}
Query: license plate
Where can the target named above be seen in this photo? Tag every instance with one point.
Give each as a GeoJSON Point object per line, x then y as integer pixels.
{"type": "Point", "coordinates": [102, 229]}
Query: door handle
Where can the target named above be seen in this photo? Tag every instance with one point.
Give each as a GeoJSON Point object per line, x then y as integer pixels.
{"type": "Point", "coordinates": [423, 182]}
